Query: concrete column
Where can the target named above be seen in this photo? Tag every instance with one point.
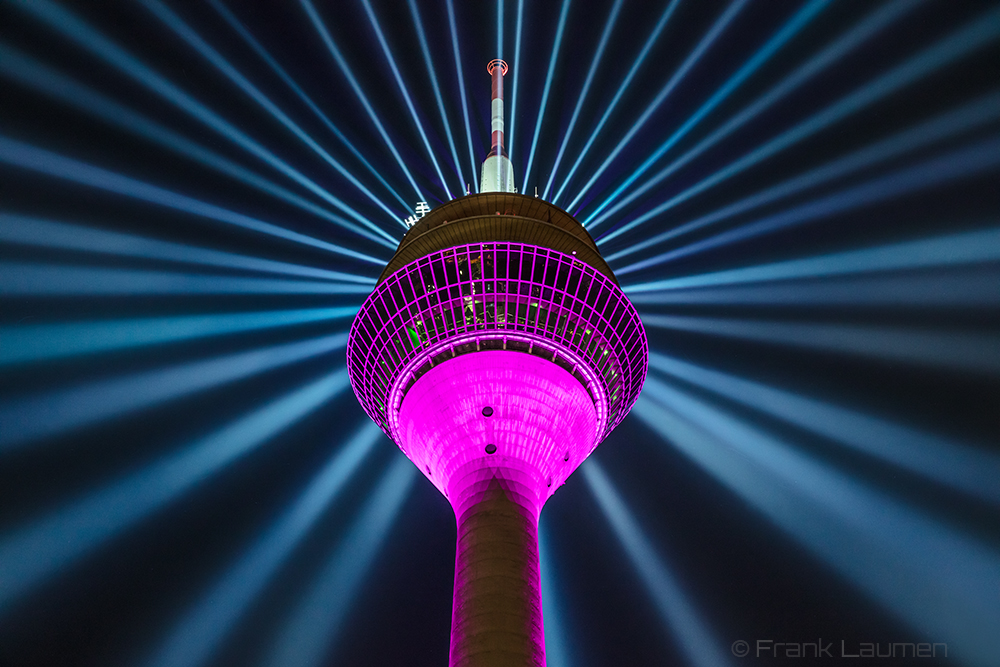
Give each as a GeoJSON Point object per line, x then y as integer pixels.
{"type": "Point", "coordinates": [497, 612]}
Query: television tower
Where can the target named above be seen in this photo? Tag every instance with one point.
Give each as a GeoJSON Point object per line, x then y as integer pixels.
{"type": "Point", "coordinates": [497, 351]}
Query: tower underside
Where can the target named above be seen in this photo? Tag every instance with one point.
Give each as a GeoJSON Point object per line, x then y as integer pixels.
{"type": "Point", "coordinates": [497, 414]}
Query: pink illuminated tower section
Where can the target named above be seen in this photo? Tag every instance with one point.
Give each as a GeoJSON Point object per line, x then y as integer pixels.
{"type": "Point", "coordinates": [497, 351]}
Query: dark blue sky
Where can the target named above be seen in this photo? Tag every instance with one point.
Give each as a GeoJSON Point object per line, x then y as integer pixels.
{"type": "Point", "coordinates": [811, 456]}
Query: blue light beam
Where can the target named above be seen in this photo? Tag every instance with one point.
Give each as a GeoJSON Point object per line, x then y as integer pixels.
{"type": "Point", "coordinates": [200, 632]}
{"type": "Point", "coordinates": [28, 230]}
{"type": "Point", "coordinates": [952, 350]}
{"type": "Point", "coordinates": [971, 37]}
{"type": "Point", "coordinates": [405, 93]}
{"type": "Point", "coordinates": [787, 31]}
{"type": "Point", "coordinates": [639, 60]}
{"type": "Point", "coordinates": [713, 33]}
{"type": "Point", "coordinates": [72, 27]}
{"type": "Point", "coordinates": [235, 24]}
{"type": "Point", "coordinates": [52, 543]}
{"type": "Point", "coordinates": [33, 343]}
{"type": "Point", "coordinates": [957, 289]}
{"type": "Point", "coordinates": [972, 471]}
{"type": "Point", "coordinates": [965, 248]}
{"type": "Point", "coordinates": [500, 29]}
{"type": "Point", "coordinates": [30, 157]}
{"type": "Point", "coordinates": [923, 572]}
{"type": "Point", "coordinates": [31, 73]}
{"type": "Point", "coordinates": [963, 163]}
{"type": "Point", "coordinates": [560, 28]}
{"type": "Point", "coordinates": [675, 607]}
{"type": "Point", "coordinates": [432, 72]}
{"type": "Point", "coordinates": [27, 419]}
{"type": "Point", "coordinates": [980, 112]}
{"type": "Point", "coordinates": [314, 625]}
{"type": "Point", "coordinates": [605, 35]}
{"type": "Point", "coordinates": [557, 648]}
{"type": "Point", "coordinates": [461, 89]}
{"type": "Point", "coordinates": [192, 38]}
{"type": "Point", "coordinates": [342, 63]}
{"type": "Point", "coordinates": [49, 280]}
{"type": "Point", "coordinates": [853, 38]}
{"type": "Point", "coordinates": [514, 87]}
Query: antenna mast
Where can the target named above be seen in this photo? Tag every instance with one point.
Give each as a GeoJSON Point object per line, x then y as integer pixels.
{"type": "Point", "coordinates": [498, 173]}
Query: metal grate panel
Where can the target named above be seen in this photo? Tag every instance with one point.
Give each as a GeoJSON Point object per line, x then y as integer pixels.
{"type": "Point", "coordinates": [497, 295]}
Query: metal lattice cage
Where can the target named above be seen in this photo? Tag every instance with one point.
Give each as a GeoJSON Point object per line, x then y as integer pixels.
{"type": "Point", "coordinates": [497, 295]}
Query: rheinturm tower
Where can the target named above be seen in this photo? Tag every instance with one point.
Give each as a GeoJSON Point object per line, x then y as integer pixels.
{"type": "Point", "coordinates": [497, 351]}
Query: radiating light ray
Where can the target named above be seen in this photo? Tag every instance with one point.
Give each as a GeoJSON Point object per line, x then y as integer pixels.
{"type": "Point", "coordinates": [297, 89]}
{"type": "Point", "coordinates": [432, 73]}
{"type": "Point", "coordinates": [706, 42]}
{"type": "Point", "coordinates": [958, 289]}
{"type": "Point", "coordinates": [974, 35]}
{"type": "Point", "coordinates": [500, 29]}
{"type": "Point", "coordinates": [959, 466]}
{"type": "Point", "coordinates": [461, 89]}
{"type": "Point", "coordinates": [640, 59]}
{"type": "Point", "coordinates": [557, 648]}
{"type": "Point", "coordinates": [28, 230]}
{"type": "Point", "coordinates": [52, 543]}
{"type": "Point", "coordinates": [962, 163]}
{"type": "Point", "coordinates": [313, 628]}
{"type": "Point", "coordinates": [677, 610]}
{"type": "Point", "coordinates": [981, 112]}
{"type": "Point", "coordinates": [75, 29]}
{"type": "Point", "coordinates": [926, 573]}
{"type": "Point", "coordinates": [199, 633]}
{"type": "Point", "coordinates": [941, 291]}
{"type": "Point", "coordinates": [517, 70]}
{"type": "Point", "coordinates": [33, 74]}
{"type": "Point", "coordinates": [50, 280]}
{"type": "Point", "coordinates": [972, 247]}
{"type": "Point", "coordinates": [30, 418]}
{"type": "Point", "coordinates": [957, 351]}
{"type": "Point", "coordinates": [37, 159]}
{"type": "Point", "coordinates": [867, 28]}
{"type": "Point", "coordinates": [789, 30]}
{"type": "Point", "coordinates": [560, 28]}
{"type": "Point", "coordinates": [342, 63]}
{"type": "Point", "coordinates": [406, 94]}
{"type": "Point", "coordinates": [184, 31]}
{"type": "Point", "coordinates": [605, 35]}
{"type": "Point", "coordinates": [33, 343]}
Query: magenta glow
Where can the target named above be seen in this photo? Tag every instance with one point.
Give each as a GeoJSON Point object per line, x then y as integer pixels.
{"type": "Point", "coordinates": [497, 368]}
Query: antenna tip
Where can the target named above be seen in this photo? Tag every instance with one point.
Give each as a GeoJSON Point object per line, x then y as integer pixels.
{"type": "Point", "coordinates": [497, 63]}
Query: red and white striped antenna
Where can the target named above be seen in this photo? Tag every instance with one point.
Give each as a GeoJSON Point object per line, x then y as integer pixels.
{"type": "Point", "coordinates": [497, 69]}
{"type": "Point", "coordinates": [498, 173]}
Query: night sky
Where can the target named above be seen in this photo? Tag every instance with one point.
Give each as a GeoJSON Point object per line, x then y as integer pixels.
{"type": "Point", "coordinates": [801, 198]}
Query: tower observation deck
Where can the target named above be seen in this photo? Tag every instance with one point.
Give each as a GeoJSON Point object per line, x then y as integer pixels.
{"type": "Point", "coordinates": [497, 351]}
